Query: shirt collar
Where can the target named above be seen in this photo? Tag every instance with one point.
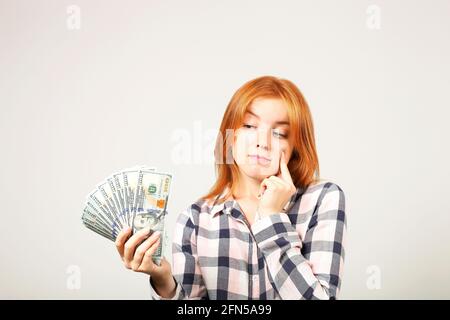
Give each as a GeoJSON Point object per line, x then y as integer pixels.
{"type": "Point", "coordinates": [223, 206]}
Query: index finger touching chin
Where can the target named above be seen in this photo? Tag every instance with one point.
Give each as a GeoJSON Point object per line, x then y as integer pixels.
{"type": "Point", "coordinates": [285, 174]}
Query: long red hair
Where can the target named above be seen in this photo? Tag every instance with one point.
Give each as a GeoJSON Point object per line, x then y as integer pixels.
{"type": "Point", "coordinates": [303, 164]}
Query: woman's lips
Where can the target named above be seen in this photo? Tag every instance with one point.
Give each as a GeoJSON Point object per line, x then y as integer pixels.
{"type": "Point", "coordinates": [260, 160]}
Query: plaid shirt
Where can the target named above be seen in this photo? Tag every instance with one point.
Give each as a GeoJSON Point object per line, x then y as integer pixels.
{"type": "Point", "coordinates": [296, 254]}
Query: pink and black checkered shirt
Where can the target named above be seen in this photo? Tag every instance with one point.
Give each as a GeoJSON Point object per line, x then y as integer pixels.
{"type": "Point", "coordinates": [296, 254]}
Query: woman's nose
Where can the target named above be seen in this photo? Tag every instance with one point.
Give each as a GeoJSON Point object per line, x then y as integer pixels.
{"type": "Point", "coordinates": [264, 139]}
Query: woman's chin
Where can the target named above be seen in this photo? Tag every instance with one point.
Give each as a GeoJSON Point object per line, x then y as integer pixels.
{"type": "Point", "coordinates": [260, 173]}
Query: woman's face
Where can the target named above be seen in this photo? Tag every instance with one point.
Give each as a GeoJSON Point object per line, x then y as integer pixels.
{"type": "Point", "coordinates": [264, 134]}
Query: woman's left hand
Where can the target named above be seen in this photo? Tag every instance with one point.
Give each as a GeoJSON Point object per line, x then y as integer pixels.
{"type": "Point", "coordinates": [275, 191]}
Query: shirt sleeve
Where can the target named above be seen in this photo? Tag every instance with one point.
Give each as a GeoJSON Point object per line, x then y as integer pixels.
{"type": "Point", "coordinates": [312, 268]}
{"type": "Point", "coordinates": [185, 267]}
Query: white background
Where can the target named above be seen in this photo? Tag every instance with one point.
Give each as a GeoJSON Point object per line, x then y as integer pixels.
{"type": "Point", "coordinates": [79, 104]}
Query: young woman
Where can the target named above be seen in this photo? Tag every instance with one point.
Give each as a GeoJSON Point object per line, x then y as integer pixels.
{"type": "Point", "coordinates": [269, 228]}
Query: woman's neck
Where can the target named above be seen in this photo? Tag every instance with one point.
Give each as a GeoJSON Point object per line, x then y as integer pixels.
{"type": "Point", "coordinates": [247, 188]}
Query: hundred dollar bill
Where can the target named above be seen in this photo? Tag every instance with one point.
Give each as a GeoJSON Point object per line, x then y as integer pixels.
{"type": "Point", "coordinates": [155, 220]}
{"type": "Point", "coordinates": [101, 217]}
{"type": "Point", "coordinates": [151, 203]}
{"type": "Point", "coordinates": [92, 218]}
{"type": "Point", "coordinates": [99, 202]}
{"type": "Point", "coordinates": [96, 221]}
{"type": "Point", "coordinates": [130, 181]}
{"type": "Point", "coordinates": [155, 189]}
{"type": "Point", "coordinates": [123, 191]}
{"type": "Point", "coordinates": [131, 189]}
{"type": "Point", "coordinates": [117, 180]}
{"type": "Point", "coordinates": [104, 234]}
{"type": "Point", "coordinates": [111, 201]}
{"type": "Point", "coordinates": [97, 227]}
{"type": "Point", "coordinates": [135, 197]}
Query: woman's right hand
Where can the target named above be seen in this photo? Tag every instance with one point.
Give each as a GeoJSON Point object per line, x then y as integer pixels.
{"type": "Point", "coordinates": [136, 253]}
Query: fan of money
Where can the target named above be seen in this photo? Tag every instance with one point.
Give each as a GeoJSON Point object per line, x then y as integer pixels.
{"type": "Point", "coordinates": [136, 197]}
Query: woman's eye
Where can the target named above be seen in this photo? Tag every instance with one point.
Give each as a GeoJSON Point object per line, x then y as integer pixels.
{"type": "Point", "coordinates": [275, 133]}
{"type": "Point", "coordinates": [280, 135]}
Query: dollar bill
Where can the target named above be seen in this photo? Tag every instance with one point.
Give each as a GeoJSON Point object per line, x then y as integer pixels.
{"type": "Point", "coordinates": [97, 200]}
{"type": "Point", "coordinates": [97, 226]}
{"type": "Point", "coordinates": [154, 220]}
{"type": "Point", "coordinates": [101, 217]}
{"type": "Point", "coordinates": [136, 197]}
{"type": "Point", "coordinates": [91, 218]}
{"type": "Point", "coordinates": [130, 181]}
{"type": "Point", "coordinates": [111, 202]}
{"type": "Point", "coordinates": [151, 203]}
{"type": "Point", "coordinates": [117, 181]}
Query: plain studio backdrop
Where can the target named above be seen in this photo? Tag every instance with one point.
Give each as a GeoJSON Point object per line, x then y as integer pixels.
{"type": "Point", "coordinates": [91, 87]}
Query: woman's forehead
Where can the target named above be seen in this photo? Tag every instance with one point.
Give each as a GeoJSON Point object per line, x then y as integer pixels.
{"type": "Point", "coordinates": [273, 109]}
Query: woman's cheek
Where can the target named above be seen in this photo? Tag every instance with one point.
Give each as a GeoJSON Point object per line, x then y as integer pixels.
{"type": "Point", "coordinates": [240, 149]}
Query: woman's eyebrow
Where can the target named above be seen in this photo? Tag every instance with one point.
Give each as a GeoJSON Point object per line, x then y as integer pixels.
{"type": "Point", "coordinates": [278, 122]}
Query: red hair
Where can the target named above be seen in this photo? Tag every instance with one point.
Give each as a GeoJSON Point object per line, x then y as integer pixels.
{"type": "Point", "coordinates": [303, 164]}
